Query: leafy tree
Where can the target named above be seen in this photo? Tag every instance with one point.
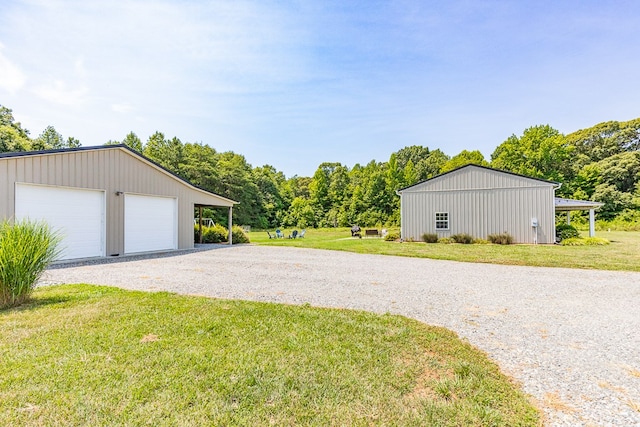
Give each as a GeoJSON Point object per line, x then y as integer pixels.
{"type": "Point", "coordinates": [615, 201]}
{"type": "Point", "coordinates": [72, 142]}
{"type": "Point", "coordinates": [48, 139]}
{"type": "Point", "coordinates": [426, 163]}
{"type": "Point", "coordinates": [410, 175]}
{"type": "Point", "coordinates": [274, 199]}
{"type": "Point", "coordinates": [464, 158]}
{"type": "Point", "coordinates": [236, 183]}
{"type": "Point", "coordinates": [298, 186]}
{"type": "Point", "coordinates": [198, 166]}
{"type": "Point", "coordinates": [432, 165]}
{"type": "Point", "coordinates": [132, 141]}
{"type": "Point", "coordinates": [605, 140]}
{"type": "Point", "coordinates": [167, 153]}
{"type": "Point", "coordinates": [413, 153]}
{"type": "Point", "coordinates": [11, 140]}
{"type": "Point", "coordinates": [540, 152]}
{"type": "Point", "coordinates": [319, 192]}
{"type": "Point", "coordinates": [621, 170]}
{"type": "Point", "coordinates": [301, 213]}
{"type": "Point", "coordinates": [13, 137]}
{"type": "Point", "coordinates": [51, 139]}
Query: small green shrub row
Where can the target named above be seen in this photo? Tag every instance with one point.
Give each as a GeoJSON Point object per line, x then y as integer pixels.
{"type": "Point", "coordinates": [500, 239]}
{"type": "Point", "coordinates": [466, 239]}
{"type": "Point", "coordinates": [586, 241]}
{"type": "Point", "coordinates": [26, 250]}
{"type": "Point", "coordinates": [219, 234]}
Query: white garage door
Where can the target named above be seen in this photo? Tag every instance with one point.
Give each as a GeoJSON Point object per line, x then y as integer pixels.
{"type": "Point", "coordinates": [77, 214]}
{"type": "Point", "coordinates": [150, 223]}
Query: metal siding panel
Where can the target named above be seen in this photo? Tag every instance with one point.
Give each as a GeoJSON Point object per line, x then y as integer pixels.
{"type": "Point", "coordinates": [109, 170]}
{"type": "Point", "coordinates": [482, 212]}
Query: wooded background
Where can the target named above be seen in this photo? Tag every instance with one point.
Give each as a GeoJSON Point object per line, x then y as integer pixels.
{"type": "Point", "coordinates": [601, 163]}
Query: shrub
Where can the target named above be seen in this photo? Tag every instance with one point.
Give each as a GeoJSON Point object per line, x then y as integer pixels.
{"type": "Point", "coordinates": [430, 238]}
{"type": "Point", "coordinates": [26, 250]}
{"type": "Point", "coordinates": [596, 241]}
{"type": "Point", "coordinates": [215, 234]}
{"type": "Point", "coordinates": [566, 231]}
{"type": "Point", "coordinates": [464, 238]}
{"type": "Point", "coordinates": [238, 235]}
{"type": "Point", "coordinates": [445, 240]}
{"type": "Point", "coordinates": [392, 237]}
{"type": "Point", "coordinates": [588, 241]}
{"type": "Point", "coordinates": [501, 238]}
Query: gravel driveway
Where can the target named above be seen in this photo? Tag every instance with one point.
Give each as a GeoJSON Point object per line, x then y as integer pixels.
{"type": "Point", "coordinates": [571, 337]}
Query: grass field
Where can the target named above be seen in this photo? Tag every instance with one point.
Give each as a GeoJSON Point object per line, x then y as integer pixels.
{"type": "Point", "coordinates": [622, 254]}
{"type": "Point", "coordinates": [88, 355]}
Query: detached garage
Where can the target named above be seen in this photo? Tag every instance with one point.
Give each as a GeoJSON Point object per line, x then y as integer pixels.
{"type": "Point", "coordinates": [479, 201]}
{"type": "Point", "coordinates": [104, 201]}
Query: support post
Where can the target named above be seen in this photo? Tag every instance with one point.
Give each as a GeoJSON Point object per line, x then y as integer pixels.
{"type": "Point", "coordinates": [592, 223]}
{"type": "Point", "coordinates": [230, 225]}
{"type": "Point", "coordinates": [568, 217]}
{"type": "Point", "coordinates": [200, 224]}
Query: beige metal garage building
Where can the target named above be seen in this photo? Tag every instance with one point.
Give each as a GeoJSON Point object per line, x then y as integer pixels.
{"type": "Point", "coordinates": [479, 201]}
{"type": "Point", "coordinates": [105, 201]}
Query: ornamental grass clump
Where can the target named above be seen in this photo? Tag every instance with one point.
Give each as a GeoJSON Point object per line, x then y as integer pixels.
{"type": "Point", "coordinates": [463, 238]}
{"type": "Point", "coordinates": [500, 239]}
{"type": "Point", "coordinates": [26, 250]}
{"type": "Point", "coordinates": [430, 238]}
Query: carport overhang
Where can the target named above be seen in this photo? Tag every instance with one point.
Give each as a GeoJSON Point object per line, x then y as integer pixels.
{"type": "Point", "coordinates": [568, 205]}
{"type": "Point", "coordinates": [199, 206]}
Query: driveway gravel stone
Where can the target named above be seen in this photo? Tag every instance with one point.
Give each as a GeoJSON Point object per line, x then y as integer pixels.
{"type": "Point", "coordinates": [570, 337]}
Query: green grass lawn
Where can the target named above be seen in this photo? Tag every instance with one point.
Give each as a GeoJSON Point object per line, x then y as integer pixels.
{"type": "Point", "coordinates": [622, 254]}
{"type": "Point", "coordinates": [88, 355]}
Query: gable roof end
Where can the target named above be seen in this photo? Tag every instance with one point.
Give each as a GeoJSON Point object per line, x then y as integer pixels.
{"type": "Point", "coordinates": [471, 165]}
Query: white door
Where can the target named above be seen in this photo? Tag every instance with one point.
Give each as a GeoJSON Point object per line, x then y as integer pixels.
{"type": "Point", "coordinates": [150, 223]}
{"type": "Point", "coordinates": [77, 214]}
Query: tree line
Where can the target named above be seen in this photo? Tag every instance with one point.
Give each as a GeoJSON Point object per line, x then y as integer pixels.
{"type": "Point", "coordinates": [601, 163]}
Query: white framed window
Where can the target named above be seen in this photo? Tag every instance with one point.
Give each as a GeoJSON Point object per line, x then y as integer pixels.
{"type": "Point", "coordinates": [442, 220]}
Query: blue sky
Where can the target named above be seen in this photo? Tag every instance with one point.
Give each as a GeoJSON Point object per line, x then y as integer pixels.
{"type": "Point", "coordinates": [296, 83]}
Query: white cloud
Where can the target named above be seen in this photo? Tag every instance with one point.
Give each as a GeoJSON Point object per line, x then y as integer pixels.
{"type": "Point", "coordinates": [121, 107]}
{"type": "Point", "coordinates": [59, 93]}
{"type": "Point", "coordinates": [11, 78]}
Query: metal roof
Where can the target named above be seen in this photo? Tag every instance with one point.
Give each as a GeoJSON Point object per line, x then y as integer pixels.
{"type": "Point", "coordinates": [481, 167]}
{"type": "Point", "coordinates": [575, 205]}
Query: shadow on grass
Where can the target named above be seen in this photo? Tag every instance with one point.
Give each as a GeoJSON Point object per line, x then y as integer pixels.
{"type": "Point", "coordinates": [35, 303]}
